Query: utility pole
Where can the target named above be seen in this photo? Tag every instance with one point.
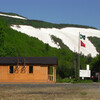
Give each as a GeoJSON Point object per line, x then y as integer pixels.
{"type": "Point", "coordinates": [75, 63]}
{"type": "Point", "coordinates": [75, 67]}
{"type": "Point", "coordinates": [79, 56]}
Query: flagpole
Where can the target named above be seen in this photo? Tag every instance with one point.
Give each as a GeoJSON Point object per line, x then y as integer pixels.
{"type": "Point", "coordinates": [79, 56]}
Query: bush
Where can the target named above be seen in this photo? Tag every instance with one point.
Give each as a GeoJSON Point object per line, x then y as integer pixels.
{"type": "Point", "coordinates": [64, 80]}
{"type": "Point", "coordinates": [82, 81]}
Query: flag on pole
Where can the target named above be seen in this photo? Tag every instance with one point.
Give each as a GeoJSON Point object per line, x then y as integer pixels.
{"type": "Point", "coordinates": [83, 44]}
{"type": "Point", "coordinates": [82, 37]}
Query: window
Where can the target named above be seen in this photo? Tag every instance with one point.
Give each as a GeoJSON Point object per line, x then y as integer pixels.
{"type": "Point", "coordinates": [30, 69]}
{"type": "Point", "coordinates": [11, 69]}
{"type": "Point", "coordinates": [50, 70]}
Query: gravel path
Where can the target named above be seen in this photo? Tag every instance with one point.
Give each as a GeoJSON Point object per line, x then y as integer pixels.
{"type": "Point", "coordinates": [69, 85]}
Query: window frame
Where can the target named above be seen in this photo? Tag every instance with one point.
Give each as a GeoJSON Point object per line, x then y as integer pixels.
{"type": "Point", "coordinates": [11, 69]}
{"type": "Point", "coordinates": [31, 70]}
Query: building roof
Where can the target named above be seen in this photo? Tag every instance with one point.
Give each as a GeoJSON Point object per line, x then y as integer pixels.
{"type": "Point", "coordinates": [28, 60]}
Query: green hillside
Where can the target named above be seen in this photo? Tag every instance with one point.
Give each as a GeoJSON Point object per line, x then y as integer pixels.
{"type": "Point", "coordinates": [38, 23]}
{"type": "Point", "coordinates": [13, 43]}
{"type": "Point", "coordinates": [13, 14]}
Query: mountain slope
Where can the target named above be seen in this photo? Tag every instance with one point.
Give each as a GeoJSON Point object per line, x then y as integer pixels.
{"type": "Point", "coordinates": [40, 41]}
{"type": "Point", "coordinates": [67, 33]}
{"type": "Point", "coordinates": [69, 36]}
{"type": "Point", "coordinates": [12, 15]}
{"type": "Point", "coordinates": [37, 23]}
{"type": "Point", "coordinates": [13, 43]}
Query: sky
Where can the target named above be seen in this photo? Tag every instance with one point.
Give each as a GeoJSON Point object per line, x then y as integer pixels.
{"type": "Point", "coordinates": [82, 12]}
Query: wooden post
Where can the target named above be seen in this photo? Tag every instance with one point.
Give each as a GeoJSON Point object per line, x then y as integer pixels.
{"type": "Point", "coordinates": [48, 74]}
{"type": "Point", "coordinates": [54, 73]}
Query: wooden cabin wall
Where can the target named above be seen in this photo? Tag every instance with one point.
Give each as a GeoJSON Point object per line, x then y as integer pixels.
{"type": "Point", "coordinates": [40, 74]}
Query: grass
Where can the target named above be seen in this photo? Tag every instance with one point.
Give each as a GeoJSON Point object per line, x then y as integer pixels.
{"type": "Point", "coordinates": [73, 80]}
{"type": "Point", "coordinates": [83, 93]}
{"type": "Point", "coordinates": [82, 81]}
{"type": "Point", "coordinates": [65, 80]}
{"type": "Point", "coordinates": [98, 81]}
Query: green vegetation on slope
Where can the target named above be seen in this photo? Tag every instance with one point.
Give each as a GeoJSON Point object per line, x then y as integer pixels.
{"type": "Point", "coordinates": [13, 14]}
{"type": "Point", "coordinates": [41, 24]}
{"type": "Point", "coordinates": [95, 63]}
{"type": "Point", "coordinates": [12, 42]}
{"type": "Point", "coordinates": [57, 40]}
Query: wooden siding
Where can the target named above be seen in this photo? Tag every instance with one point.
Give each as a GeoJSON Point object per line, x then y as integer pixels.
{"type": "Point", "coordinates": [40, 74]}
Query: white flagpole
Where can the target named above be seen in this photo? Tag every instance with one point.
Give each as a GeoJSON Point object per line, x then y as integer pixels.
{"type": "Point", "coordinates": [79, 56]}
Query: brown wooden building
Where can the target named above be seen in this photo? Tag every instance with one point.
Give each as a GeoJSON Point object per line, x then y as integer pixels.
{"type": "Point", "coordinates": [28, 69]}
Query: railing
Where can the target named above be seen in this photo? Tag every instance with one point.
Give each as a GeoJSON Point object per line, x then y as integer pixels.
{"type": "Point", "coordinates": [50, 77]}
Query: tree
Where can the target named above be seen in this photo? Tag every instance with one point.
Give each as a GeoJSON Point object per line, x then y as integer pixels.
{"type": "Point", "coordinates": [96, 64]}
{"type": "Point", "coordinates": [89, 58]}
{"type": "Point", "coordinates": [1, 37]}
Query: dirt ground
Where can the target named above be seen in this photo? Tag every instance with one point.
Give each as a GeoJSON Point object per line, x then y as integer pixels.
{"type": "Point", "coordinates": [50, 92]}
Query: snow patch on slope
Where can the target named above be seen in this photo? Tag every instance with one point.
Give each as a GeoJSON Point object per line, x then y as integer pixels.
{"type": "Point", "coordinates": [69, 37]}
{"type": "Point", "coordinates": [13, 16]}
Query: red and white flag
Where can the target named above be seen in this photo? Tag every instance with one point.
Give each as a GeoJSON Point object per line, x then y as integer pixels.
{"type": "Point", "coordinates": [83, 44]}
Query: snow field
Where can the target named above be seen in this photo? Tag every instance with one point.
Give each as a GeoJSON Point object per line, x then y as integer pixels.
{"type": "Point", "coordinates": [13, 16]}
{"type": "Point", "coordinates": [69, 36]}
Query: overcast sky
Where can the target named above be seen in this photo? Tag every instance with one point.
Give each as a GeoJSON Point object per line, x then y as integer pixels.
{"type": "Point", "coordinates": [83, 12]}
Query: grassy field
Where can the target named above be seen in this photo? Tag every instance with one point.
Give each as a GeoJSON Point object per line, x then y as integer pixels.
{"type": "Point", "coordinates": [47, 92]}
